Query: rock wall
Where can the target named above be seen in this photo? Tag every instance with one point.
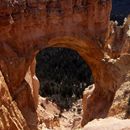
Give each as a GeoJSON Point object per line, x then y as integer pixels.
{"type": "Point", "coordinates": [10, 116]}
{"type": "Point", "coordinates": [27, 26]}
{"type": "Point", "coordinates": [121, 104]}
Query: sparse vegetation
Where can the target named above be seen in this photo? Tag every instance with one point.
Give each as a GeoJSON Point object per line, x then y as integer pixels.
{"type": "Point", "coordinates": [62, 74]}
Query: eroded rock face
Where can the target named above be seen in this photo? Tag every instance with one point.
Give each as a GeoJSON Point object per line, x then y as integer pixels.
{"type": "Point", "coordinates": [10, 116]}
{"type": "Point", "coordinates": [29, 26]}
{"type": "Point", "coordinates": [121, 104]}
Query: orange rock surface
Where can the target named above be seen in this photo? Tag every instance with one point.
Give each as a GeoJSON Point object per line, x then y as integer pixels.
{"type": "Point", "coordinates": [27, 26]}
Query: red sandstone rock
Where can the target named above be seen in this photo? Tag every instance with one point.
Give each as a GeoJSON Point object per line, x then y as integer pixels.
{"type": "Point", "coordinates": [121, 104]}
{"type": "Point", "coordinates": [29, 26]}
{"type": "Point", "coordinates": [10, 116]}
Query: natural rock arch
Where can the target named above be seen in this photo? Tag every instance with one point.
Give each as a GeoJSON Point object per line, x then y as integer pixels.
{"type": "Point", "coordinates": [28, 26]}
{"type": "Point", "coordinates": [105, 88]}
{"type": "Point", "coordinates": [106, 82]}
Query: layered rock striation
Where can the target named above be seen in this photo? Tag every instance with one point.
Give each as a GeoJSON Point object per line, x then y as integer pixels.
{"type": "Point", "coordinates": [27, 26]}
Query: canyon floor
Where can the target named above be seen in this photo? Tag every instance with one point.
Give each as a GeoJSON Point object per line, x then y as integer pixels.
{"type": "Point", "coordinates": [57, 119]}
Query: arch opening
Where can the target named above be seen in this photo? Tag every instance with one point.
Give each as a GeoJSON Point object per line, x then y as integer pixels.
{"type": "Point", "coordinates": [63, 75]}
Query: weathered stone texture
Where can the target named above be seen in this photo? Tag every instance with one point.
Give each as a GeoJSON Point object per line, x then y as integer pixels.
{"type": "Point", "coordinates": [83, 25]}
{"type": "Point", "coordinates": [10, 116]}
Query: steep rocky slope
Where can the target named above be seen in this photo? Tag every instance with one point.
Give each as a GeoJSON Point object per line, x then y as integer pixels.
{"type": "Point", "coordinates": [121, 103]}
{"type": "Point", "coordinates": [10, 116]}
